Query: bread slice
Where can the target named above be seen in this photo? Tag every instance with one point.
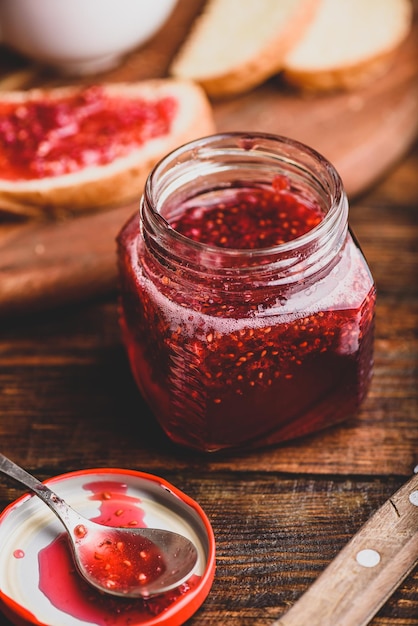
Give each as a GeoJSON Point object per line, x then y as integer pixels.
{"type": "Point", "coordinates": [120, 178]}
{"type": "Point", "coordinates": [234, 45]}
{"type": "Point", "coordinates": [348, 43]}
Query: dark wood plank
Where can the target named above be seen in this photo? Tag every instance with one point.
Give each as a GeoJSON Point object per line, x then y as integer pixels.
{"type": "Point", "coordinates": [275, 535]}
{"type": "Point", "coordinates": [73, 382]}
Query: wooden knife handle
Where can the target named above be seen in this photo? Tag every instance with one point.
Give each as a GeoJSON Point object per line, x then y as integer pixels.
{"type": "Point", "coordinates": [365, 573]}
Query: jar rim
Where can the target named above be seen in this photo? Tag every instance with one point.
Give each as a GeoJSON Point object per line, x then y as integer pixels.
{"type": "Point", "coordinates": [246, 142]}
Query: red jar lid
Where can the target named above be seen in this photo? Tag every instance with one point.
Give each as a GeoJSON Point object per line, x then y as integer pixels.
{"type": "Point", "coordinates": [38, 582]}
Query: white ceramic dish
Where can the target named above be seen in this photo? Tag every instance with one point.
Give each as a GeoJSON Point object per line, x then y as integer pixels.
{"type": "Point", "coordinates": [38, 584]}
{"type": "Point", "coordinates": [80, 36]}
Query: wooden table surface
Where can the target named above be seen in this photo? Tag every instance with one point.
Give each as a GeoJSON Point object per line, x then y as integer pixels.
{"type": "Point", "coordinates": [68, 401]}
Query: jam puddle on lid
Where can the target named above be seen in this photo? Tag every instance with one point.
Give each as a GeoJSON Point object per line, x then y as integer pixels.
{"type": "Point", "coordinates": [67, 591]}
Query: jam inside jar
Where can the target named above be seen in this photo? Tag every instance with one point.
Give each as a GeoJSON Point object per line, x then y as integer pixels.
{"type": "Point", "coordinates": [246, 306]}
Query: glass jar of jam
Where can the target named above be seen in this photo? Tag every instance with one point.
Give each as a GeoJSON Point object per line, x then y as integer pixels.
{"type": "Point", "coordinates": [246, 306]}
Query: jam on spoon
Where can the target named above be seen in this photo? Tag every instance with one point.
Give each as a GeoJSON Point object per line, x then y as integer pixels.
{"type": "Point", "coordinates": [128, 562]}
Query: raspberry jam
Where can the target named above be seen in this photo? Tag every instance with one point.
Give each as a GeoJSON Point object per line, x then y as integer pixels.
{"type": "Point", "coordinates": [122, 565]}
{"type": "Point", "coordinates": [42, 138]}
{"type": "Point", "coordinates": [247, 308]}
{"type": "Point", "coordinates": [66, 590]}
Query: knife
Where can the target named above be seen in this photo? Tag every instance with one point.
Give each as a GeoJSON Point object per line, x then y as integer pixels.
{"type": "Point", "coordinates": [366, 572]}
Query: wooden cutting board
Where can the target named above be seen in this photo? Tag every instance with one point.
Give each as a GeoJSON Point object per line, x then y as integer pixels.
{"type": "Point", "coordinates": [363, 133]}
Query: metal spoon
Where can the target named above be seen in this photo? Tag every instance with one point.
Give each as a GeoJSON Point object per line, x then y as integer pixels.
{"type": "Point", "coordinates": [128, 562]}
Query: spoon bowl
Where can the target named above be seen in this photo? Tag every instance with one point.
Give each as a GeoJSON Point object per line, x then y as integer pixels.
{"type": "Point", "coordinates": [128, 562]}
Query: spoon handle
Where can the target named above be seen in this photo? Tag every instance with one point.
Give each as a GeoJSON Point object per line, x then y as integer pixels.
{"type": "Point", "coordinates": [65, 513]}
{"type": "Point", "coordinates": [366, 572]}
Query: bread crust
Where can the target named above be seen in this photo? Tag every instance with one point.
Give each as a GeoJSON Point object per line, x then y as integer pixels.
{"type": "Point", "coordinates": [122, 180]}
{"type": "Point", "coordinates": [328, 71]}
{"type": "Point", "coordinates": [250, 72]}
{"type": "Point", "coordinates": [349, 77]}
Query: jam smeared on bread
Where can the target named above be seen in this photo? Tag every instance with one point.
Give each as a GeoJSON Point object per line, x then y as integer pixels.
{"type": "Point", "coordinates": [83, 148]}
{"type": "Point", "coordinates": [52, 137]}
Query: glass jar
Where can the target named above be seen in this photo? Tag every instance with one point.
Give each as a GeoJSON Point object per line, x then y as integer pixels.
{"type": "Point", "coordinates": [234, 343]}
